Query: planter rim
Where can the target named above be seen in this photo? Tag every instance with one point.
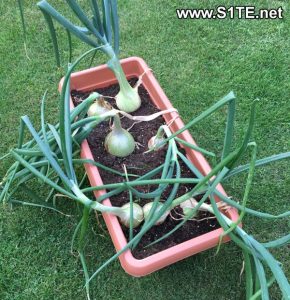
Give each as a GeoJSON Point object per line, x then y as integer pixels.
{"type": "Point", "coordinates": [133, 67]}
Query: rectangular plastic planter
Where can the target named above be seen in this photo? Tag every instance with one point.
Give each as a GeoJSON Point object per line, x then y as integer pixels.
{"type": "Point", "coordinates": [101, 77]}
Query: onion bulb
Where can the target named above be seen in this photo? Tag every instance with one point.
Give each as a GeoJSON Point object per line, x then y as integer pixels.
{"type": "Point", "coordinates": [128, 99]}
{"type": "Point", "coordinates": [147, 208]}
{"type": "Point", "coordinates": [137, 215]}
{"type": "Point", "coordinates": [188, 205]}
{"type": "Point", "coordinates": [99, 107]}
{"type": "Point", "coordinates": [119, 142]}
{"type": "Point", "coordinates": [156, 143]}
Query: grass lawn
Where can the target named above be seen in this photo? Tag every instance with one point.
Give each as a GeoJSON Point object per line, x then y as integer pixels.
{"type": "Point", "coordinates": [196, 63]}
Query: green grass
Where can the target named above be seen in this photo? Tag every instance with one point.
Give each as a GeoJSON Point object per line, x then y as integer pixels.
{"type": "Point", "coordinates": [196, 62]}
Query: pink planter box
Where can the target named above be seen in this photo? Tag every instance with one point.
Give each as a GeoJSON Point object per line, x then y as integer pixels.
{"type": "Point", "coordinates": [101, 77]}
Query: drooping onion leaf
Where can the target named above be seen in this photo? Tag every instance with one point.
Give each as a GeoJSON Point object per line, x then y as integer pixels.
{"type": "Point", "coordinates": [49, 10]}
{"type": "Point", "coordinates": [20, 7]}
{"type": "Point", "coordinates": [229, 128]}
{"type": "Point", "coordinates": [97, 17]}
{"type": "Point", "coordinates": [107, 20]}
{"type": "Point", "coordinates": [115, 25]}
{"type": "Point", "coordinates": [51, 28]}
{"type": "Point", "coordinates": [84, 19]}
{"type": "Point", "coordinates": [259, 162]}
{"type": "Point", "coordinates": [69, 45]}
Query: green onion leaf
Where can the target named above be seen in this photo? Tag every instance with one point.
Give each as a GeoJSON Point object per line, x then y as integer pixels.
{"type": "Point", "coordinates": [51, 28]}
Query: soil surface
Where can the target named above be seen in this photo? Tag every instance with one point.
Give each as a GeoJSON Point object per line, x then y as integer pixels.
{"type": "Point", "coordinates": [140, 163]}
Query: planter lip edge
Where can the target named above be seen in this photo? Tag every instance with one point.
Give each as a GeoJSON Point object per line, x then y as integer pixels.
{"type": "Point", "coordinates": [138, 59]}
{"type": "Point", "coordinates": [131, 264]}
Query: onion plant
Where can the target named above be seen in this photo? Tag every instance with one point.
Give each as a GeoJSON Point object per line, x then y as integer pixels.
{"type": "Point", "coordinates": [52, 153]}
{"type": "Point", "coordinates": [100, 32]}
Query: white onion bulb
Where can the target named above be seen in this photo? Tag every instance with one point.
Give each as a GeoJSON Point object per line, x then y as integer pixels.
{"type": "Point", "coordinates": [188, 205]}
{"type": "Point", "coordinates": [119, 142]}
{"type": "Point", "coordinates": [137, 215]}
{"type": "Point", "coordinates": [146, 210]}
{"type": "Point", "coordinates": [99, 107]}
{"type": "Point", "coordinates": [128, 100]}
{"type": "Point", "coordinates": [156, 143]}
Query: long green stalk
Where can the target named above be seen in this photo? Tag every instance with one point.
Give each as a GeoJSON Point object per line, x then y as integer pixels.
{"type": "Point", "coordinates": [102, 31]}
{"type": "Point", "coordinates": [84, 227]}
{"type": "Point", "coordinates": [139, 183]}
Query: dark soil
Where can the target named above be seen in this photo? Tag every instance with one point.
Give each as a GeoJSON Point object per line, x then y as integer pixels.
{"type": "Point", "coordinates": [140, 163]}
